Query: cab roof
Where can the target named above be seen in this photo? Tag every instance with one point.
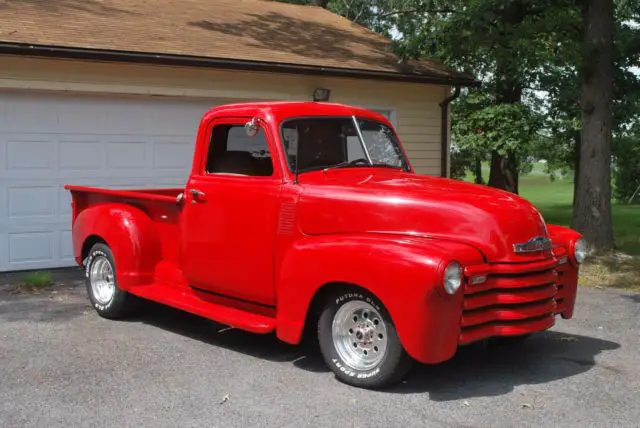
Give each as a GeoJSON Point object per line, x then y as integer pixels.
{"type": "Point", "coordinates": [281, 110]}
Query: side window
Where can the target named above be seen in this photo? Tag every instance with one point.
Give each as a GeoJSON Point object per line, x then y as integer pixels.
{"type": "Point", "coordinates": [232, 151]}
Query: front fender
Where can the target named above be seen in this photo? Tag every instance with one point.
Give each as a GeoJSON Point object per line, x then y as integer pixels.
{"type": "Point", "coordinates": [130, 234]}
{"type": "Point", "coordinates": [564, 236]}
{"type": "Point", "coordinates": [405, 273]}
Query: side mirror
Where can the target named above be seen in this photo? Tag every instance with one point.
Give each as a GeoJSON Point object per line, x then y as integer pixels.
{"type": "Point", "coordinates": [252, 127]}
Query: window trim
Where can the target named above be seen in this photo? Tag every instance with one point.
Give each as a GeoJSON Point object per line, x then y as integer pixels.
{"type": "Point", "coordinates": [407, 163]}
{"type": "Point", "coordinates": [238, 121]}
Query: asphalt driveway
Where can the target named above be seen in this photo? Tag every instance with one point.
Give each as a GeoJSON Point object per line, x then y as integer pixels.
{"type": "Point", "coordinates": [63, 366]}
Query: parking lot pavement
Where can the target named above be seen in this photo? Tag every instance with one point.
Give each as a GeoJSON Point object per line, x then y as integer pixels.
{"type": "Point", "coordinates": [63, 366]}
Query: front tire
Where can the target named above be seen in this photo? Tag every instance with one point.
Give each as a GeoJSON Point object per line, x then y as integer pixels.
{"type": "Point", "coordinates": [359, 341]}
{"type": "Point", "coordinates": [102, 286]}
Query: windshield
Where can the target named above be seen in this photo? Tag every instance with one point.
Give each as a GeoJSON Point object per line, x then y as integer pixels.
{"type": "Point", "coordinates": [340, 142]}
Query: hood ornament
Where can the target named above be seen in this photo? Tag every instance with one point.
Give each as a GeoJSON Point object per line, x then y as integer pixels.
{"type": "Point", "coordinates": [538, 243]}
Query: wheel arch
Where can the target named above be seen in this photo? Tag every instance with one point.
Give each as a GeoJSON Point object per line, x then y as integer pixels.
{"type": "Point", "coordinates": [318, 301]}
{"type": "Point", "coordinates": [403, 273]}
{"type": "Point", "coordinates": [88, 243]}
{"type": "Point", "coordinates": [128, 232]}
{"type": "Point", "coordinates": [316, 266]}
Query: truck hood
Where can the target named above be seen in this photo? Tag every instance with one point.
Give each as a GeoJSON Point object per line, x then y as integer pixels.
{"type": "Point", "coordinates": [390, 201]}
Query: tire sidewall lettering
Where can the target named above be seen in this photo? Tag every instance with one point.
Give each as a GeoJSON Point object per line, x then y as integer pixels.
{"type": "Point", "coordinates": [92, 256]}
{"type": "Point", "coordinates": [349, 296]}
{"type": "Point", "coordinates": [341, 366]}
{"type": "Point", "coordinates": [355, 373]}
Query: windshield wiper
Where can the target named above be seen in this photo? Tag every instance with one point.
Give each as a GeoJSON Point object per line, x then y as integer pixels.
{"type": "Point", "coordinates": [365, 163]}
{"type": "Point", "coordinates": [349, 164]}
{"type": "Point", "coordinates": [386, 165]}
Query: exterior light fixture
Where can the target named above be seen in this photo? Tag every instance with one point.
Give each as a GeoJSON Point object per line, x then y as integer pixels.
{"type": "Point", "coordinates": [321, 94]}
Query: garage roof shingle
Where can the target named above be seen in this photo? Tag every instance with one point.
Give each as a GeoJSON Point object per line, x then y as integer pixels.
{"type": "Point", "coordinates": [244, 31]}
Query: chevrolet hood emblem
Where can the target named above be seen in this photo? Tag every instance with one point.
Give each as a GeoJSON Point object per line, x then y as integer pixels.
{"type": "Point", "coordinates": [539, 243]}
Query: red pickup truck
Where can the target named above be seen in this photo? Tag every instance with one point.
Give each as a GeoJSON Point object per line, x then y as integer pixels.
{"type": "Point", "coordinates": [305, 218]}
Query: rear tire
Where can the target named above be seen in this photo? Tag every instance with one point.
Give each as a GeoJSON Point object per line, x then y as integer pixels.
{"type": "Point", "coordinates": [102, 286]}
{"type": "Point", "coordinates": [359, 341]}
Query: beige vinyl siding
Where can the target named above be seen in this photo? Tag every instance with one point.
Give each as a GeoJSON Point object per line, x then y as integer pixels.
{"type": "Point", "coordinates": [415, 107]}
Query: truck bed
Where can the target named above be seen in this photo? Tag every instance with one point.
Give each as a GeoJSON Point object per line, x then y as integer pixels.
{"type": "Point", "coordinates": [167, 284]}
{"type": "Point", "coordinates": [160, 205]}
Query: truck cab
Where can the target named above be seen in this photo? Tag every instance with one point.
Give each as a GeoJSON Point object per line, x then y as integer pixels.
{"type": "Point", "coordinates": [306, 218]}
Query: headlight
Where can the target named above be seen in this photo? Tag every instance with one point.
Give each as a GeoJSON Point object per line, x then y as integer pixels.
{"type": "Point", "coordinates": [580, 250]}
{"type": "Point", "coordinates": [452, 277]}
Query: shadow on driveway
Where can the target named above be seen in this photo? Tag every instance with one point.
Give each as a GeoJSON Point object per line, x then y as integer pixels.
{"type": "Point", "coordinates": [633, 297]}
{"type": "Point", "coordinates": [485, 370]}
{"type": "Point", "coordinates": [478, 370]}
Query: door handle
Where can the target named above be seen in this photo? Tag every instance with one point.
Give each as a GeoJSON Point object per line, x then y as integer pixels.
{"type": "Point", "coordinates": [197, 195]}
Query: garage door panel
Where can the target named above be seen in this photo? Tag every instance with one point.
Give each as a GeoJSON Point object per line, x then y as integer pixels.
{"type": "Point", "coordinates": [127, 155]}
{"type": "Point", "coordinates": [81, 116]}
{"type": "Point", "coordinates": [47, 141]}
{"type": "Point", "coordinates": [119, 119]}
{"type": "Point", "coordinates": [29, 154]}
{"type": "Point", "coordinates": [167, 122]}
{"type": "Point", "coordinates": [28, 202]}
{"type": "Point", "coordinates": [4, 211]}
{"type": "Point", "coordinates": [64, 203]}
{"type": "Point", "coordinates": [31, 248]}
{"type": "Point", "coordinates": [176, 154]}
{"type": "Point", "coordinates": [66, 247]}
{"type": "Point", "coordinates": [177, 182]}
{"type": "Point", "coordinates": [80, 154]}
{"type": "Point", "coordinates": [30, 114]}
{"type": "Point", "coordinates": [145, 182]}
{"type": "Point", "coordinates": [129, 185]}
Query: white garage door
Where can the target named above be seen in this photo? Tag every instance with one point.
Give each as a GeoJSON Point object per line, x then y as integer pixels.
{"type": "Point", "coordinates": [47, 141]}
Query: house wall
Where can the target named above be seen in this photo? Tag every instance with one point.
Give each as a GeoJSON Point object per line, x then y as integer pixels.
{"type": "Point", "coordinates": [415, 106]}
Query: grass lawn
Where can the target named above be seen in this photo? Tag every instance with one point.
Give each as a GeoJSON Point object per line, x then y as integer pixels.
{"type": "Point", "coordinates": [554, 200]}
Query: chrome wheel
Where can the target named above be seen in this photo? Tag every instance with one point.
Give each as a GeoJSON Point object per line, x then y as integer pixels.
{"type": "Point", "coordinates": [359, 335]}
{"type": "Point", "coordinates": [102, 280]}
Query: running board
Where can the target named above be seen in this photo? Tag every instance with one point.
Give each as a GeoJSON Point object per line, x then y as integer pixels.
{"type": "Point", "coordinates": [186, 300]}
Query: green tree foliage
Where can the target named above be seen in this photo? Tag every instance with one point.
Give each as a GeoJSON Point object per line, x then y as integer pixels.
{"type": "Point", "coordinates": [557, 85]}
{"type": "Point", "coordinates": [527, 52]}
{"type": "Point", "coordinates": [484, 126]}
{"type": "Point", "coordinates": [560, 82]}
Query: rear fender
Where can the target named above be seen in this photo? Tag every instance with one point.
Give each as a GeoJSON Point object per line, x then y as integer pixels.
{"type": "Point", "coordinates": [404, 273]}
{"type": "Point", "coordinates": [130, 234]}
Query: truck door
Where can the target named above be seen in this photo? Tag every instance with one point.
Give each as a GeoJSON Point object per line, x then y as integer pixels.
{"type": "Point", "coordinates": [230, 215]}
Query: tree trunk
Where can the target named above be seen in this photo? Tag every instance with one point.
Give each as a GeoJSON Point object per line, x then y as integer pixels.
{"type": "Point", "coordinates": [592, 212]}
{"type": "Point", "coordinates": [504, 169]}
{"type": "Point", "coordinates": [477, 170]}
{"type": "Point", "coordinates": [504, 172]}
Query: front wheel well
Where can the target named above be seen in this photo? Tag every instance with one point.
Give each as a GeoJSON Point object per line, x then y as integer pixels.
{"type": "Point", "coordinates": [326, 291]}
{"type": "Point", "coordinates": [88, 243]}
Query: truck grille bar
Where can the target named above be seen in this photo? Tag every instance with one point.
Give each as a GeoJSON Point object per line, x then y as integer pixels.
{"type": "Point", "coordinates": [515, 299]}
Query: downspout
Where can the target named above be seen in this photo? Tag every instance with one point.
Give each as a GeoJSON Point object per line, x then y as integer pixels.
{"type": "Point", "coordinates": [444, 130]}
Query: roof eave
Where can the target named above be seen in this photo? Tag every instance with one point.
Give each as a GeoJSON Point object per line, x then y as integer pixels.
{"type": "Point", "coordinates": [64, 52]}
